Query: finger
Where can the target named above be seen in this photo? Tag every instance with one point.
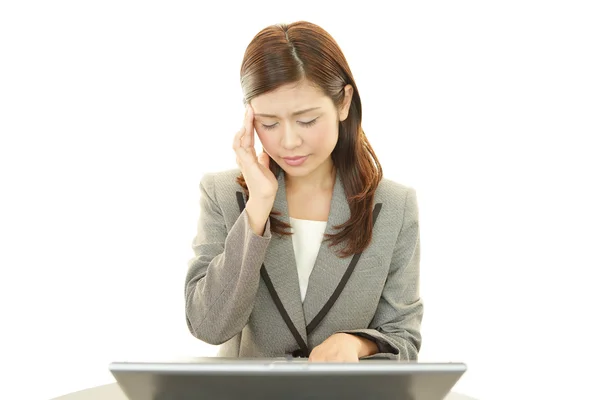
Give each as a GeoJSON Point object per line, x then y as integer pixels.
{"type": "Point", "coordinates": [246, 158]}
{"type": "Point", "coordinates": [314, 356]}
{"type": "Point", "coordinates": [248, 140]}
{"type": "Point", "coordinates": [263, 158]}
{"type": "Point", "coordinates": [252, 130]}
{"type": "Point", "coordinates": [237, 138]}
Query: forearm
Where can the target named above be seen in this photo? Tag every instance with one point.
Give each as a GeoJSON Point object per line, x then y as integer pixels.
{"type": "Point", "coordinates": [258, 214]}
{"type": "Point", "coordinates": [220, 295]}
{"type": "Point", "coordinates": [366, 347]}
{"type": "Point", "coordinates": [401, 340]}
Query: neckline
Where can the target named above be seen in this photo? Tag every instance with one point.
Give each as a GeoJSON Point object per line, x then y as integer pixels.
{"type": "Point", "coordinates": [307, 220]}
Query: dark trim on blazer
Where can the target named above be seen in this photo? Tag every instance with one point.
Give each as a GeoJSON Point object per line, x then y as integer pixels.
{"type": "Point", "coordinates": [303, 350]}
{"type": "Point", "coordinates": [338, 290]}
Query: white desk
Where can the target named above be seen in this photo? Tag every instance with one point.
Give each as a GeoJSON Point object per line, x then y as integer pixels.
{"type": "Point", "coordinates": [113, 392]}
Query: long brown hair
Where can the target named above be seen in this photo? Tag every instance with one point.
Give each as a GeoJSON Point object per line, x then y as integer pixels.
{"type": "Point", "coordinates": [288, 53]}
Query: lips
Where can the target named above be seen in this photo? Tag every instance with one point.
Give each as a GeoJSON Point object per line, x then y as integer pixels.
{"type": "Point", "coordinates": [293, 158]}
{"type": "Point", "coordinates": [295, 161]}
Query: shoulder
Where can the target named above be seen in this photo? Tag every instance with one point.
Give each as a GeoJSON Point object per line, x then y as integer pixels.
{"type": "Point", "coordinates": [399, 202]}
{"type": "Point", "coordinates": [220, 184]}
{"type": "Point", "coordinates": [221, 179]}
{"type": "Point", "coordinates": [395, 193]}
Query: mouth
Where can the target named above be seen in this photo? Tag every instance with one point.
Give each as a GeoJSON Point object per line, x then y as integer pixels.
{"type": "Point", "coordinates": [294, 158]}
{"type": "Point", "coordinates": [295, 161]}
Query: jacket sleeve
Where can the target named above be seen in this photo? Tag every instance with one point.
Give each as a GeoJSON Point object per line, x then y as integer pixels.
{"type": "Point", "coordinates": [222, 279]}
{"type": "Point", "coordinates": [396, 326]}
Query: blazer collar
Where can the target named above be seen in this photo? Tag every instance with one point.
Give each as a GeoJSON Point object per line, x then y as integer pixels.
{"type": "Point", "coordinates": [327, 272]}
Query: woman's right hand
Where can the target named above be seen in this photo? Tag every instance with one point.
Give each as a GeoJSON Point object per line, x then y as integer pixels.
{"type": "Point", "coordinates": [262, 184]}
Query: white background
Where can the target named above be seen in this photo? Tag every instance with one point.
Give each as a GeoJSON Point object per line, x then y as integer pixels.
{"type": "Point", "coordinates": [111, 111]}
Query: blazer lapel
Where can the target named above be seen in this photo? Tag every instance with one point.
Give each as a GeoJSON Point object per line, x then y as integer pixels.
{"type": "Point", "coordinates": [329, 275]}
{"type": "Point", "coordinates": [329, 268]}
{"type": "Point", "coordinates": [280, 265]}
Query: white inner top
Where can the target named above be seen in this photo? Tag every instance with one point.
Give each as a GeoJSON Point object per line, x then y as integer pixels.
{"type": "Point", "coordinates": [307, 237]}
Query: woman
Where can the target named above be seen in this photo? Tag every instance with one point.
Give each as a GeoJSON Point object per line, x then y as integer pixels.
{"type": "Point", "coordinates": [306, 250]}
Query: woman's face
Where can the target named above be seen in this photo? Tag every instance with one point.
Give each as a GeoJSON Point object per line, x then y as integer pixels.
{"type": "Point", "coordinates": [298, 120]}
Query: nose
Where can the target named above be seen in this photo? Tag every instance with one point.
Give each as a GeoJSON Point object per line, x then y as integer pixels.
{"type": "Point", "coordinates": [290, 139]}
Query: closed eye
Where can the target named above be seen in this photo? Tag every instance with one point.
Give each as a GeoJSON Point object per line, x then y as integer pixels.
{"type": "Point", "coordinates": [305, 124]}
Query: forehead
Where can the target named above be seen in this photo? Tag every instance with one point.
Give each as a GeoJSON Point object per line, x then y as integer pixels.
{"type": "Point", "coordinates": [289, 98]}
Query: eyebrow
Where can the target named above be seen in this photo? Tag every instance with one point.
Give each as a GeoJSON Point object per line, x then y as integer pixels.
{"type": "Point", "coordinates": [294, 113]}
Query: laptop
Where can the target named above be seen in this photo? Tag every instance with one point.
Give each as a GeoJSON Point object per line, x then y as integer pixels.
{"type": "Point", "coordinates": [282, 378]}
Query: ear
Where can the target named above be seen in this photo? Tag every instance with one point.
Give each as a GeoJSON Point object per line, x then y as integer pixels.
{"type": "Point", "coordinates": [345, 109]}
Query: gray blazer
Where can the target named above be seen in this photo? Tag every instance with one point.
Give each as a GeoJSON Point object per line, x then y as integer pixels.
{"type": "Point", "coordinates": [242, 290]}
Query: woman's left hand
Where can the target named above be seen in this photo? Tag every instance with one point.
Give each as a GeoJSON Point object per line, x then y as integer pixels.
{"type": "Point", "coordinates": [339, 347]}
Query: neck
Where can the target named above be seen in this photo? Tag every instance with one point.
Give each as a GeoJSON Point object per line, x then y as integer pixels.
{"type": "Point", "coordinates": [323, 178]}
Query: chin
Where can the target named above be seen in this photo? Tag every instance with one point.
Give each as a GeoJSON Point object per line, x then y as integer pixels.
{"type": "Point", "coordinates": [302, 170]}
{"type": "Point", "coordinates": [295, 171]}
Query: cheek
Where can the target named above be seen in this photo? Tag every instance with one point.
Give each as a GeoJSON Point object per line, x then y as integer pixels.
{"type": "Point", "coordinates": [324, 136]}
{"type": "Point", "coordinates": [266, 140]}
